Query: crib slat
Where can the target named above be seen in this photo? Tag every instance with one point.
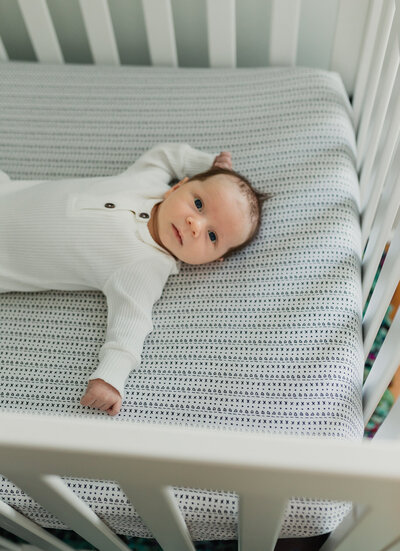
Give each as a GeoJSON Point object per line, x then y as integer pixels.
{"type": "Point", "coordinates": [158, 509]}
{"type": "Point", "coordinates": [9, 545]}
{"type": "Point", "coordinates": [375, 179]}
{"type": "Point", "coordinates": [367, 51]}
{"type": "Point", "coordinates": [373, 531]}
{"type": "Point", "coordinates": [41, 31]}
{"type": "Point", "coordinates": [51, 492]}
{"type": "Point", "coordinates": [160, 32]}
{"type": "Point", "coordinates": [19, 525]}
{"type": "Point", "coordinates": [383, 292]}
{"type": "Point", "coordinates": [383, 369]}
{"type": "Point", "coordinates": [394, 547]}
{"type": "Point", "coordinates": [260, 521]}
{"type": "Point", "coordinates": [285, 17]}
{"type": "Point", "coordinates": [221, 27]}
{"type": "Point", "coordinates": [3, 52]}
{"type": "Point", "coordinates": [100, 31]}
{"type": "Point", "coordinates": [373, 80]}
{"type": "Point", "coordinates": [348, 524]}
{"type": "Point", "coordinates": [347, 40]}
{"type": "Point", "coordinates": [382, 226]}
{"type": "Point", "coordinates": [390, 428]}
{"type": "Point", "coordinates": [385, 92]}
{"type": "Point", "coordinates": [371, 187]}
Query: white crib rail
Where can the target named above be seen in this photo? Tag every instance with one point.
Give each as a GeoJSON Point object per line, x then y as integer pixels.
{"type": "Point", "coordinates": [284, 31]}
{"type": "Point", "coordinates": [264, 470]}
{"type": "Point", "coordinates": [147, 460]}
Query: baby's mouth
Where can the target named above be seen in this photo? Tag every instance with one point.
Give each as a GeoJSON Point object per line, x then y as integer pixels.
{"type": "Point", "coordinates": [178, 235]}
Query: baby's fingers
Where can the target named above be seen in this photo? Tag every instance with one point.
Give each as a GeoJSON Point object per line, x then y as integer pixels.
{"type": "Point", "coordinates": [115, 408]}
{"type": "Point", "coordinates": [87, 399]}
{"type": "Point", "coordinates": [223, 160]}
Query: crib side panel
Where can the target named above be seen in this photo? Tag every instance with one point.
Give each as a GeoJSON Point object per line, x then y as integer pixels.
{"type": "Point", "coordinates": [374, 87]}
{"type": "Point", "coordinates": [374, 75]}
{"type": "Point", "coordinates": [286, 26]}
{"type": "Point", "coordinates": [379, 165]}
{"type": "Point", "coordinates": [385, 217]}
{"type": "Point", "coordinates": [263, 469]}
{"type": "Point", "coordinates": [379, 160]}
{"type": "Point", "coordinates": [380, 149]}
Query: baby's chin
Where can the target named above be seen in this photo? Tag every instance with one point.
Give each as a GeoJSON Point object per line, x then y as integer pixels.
{"type": "Point", "coordinates": [198, 262]}
{"type": "Point", "coordinates": [182, 257]}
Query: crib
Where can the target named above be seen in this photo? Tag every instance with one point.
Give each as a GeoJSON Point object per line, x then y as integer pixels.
{"type": "Point", "coordinates": [307, 44]}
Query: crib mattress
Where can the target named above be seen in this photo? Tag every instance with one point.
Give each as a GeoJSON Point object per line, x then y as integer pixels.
{"type": "Point", "coordinates": [267, 341]}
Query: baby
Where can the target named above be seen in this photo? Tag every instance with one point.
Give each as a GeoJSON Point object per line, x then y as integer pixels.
{"type": "Point", "coordinates": [124, 235]}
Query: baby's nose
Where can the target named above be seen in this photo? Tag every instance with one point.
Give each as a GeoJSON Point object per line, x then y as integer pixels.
{"type": "Point", "coordinates": [195, 225]}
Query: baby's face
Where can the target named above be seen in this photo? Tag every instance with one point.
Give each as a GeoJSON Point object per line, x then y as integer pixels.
{"type": "Point", "coordinates": [199, 221]}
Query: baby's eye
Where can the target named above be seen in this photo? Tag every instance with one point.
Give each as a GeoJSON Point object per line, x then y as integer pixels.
{"type": "Point", "coordinates": [212, 236]}
{"type": "Point", "coordinates": [198, 203]}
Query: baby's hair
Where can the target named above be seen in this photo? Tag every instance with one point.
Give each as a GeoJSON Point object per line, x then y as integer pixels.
{"type": "Point", "coordinates": [255, 200]}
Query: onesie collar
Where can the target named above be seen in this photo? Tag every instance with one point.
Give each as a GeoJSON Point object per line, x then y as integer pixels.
{"type": "Point", "coordinates": [142, 215]}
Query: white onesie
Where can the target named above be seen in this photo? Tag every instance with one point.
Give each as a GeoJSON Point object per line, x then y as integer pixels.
{"type": "Point", "coordinates": [92, 233]}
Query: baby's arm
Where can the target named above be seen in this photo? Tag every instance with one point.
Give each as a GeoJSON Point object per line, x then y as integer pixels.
{"type": "Point", "coordinates": [175, 160]}
{"type": "Point", "coordinates": [131, 293]}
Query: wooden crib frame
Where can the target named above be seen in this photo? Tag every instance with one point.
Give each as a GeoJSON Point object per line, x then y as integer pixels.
{"type": "Point", "coordinates": [265, 470]}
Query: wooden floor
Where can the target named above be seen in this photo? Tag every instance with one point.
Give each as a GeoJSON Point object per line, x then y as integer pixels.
{"type": "Point", "coordinates": [395, 384]}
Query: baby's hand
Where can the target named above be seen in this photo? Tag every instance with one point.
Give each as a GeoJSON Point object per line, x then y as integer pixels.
{"type": "Point", "coordinates": [102, 395]}
{"type": "Point", "coordinates": [223, 160]}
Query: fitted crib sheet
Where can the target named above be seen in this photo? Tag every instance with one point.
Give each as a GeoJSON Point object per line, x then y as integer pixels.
{"type": "Point", "coordinates": [267, 341]}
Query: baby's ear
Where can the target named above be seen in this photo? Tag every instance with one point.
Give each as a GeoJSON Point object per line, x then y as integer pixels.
{"type": "Point", "coordinates": [175, 187]}
{"type": "Point", "coordinates": [171, 189]}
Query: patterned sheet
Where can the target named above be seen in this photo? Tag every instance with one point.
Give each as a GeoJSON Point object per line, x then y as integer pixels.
{"type": "Point", "coordinates": [267, 341]}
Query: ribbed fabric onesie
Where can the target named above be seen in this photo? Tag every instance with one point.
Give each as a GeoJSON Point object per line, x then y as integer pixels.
{"type": "Point", "coordinates": [92, 233]}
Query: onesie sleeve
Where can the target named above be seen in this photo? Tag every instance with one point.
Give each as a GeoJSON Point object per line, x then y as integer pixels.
{"type": "Point", "coordinates": [131, 293]}
{"type": "Point", "coordinates": [173, 160]}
